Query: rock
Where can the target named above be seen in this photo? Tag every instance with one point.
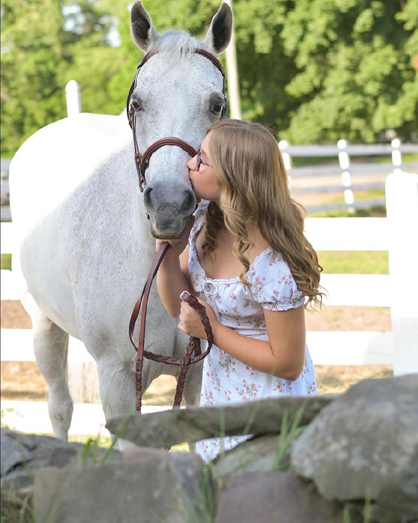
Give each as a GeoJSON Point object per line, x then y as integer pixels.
{"type": "Point", "coordinates": [147, 488]}
{"type": "Point", "coordinates": [266, 497]}
{"type": "Point", "coordinates": [14, 450]}
{"type": "Point", "coordinates": [364, 446]}
{"type": "Point", "coordinates": [23, 454]}
{"type": "Point", "coordinates": [255, 455]}
{"type": "Point", "coordinates": [167, 428]}
{"type": "Point", "coordinates": [188, 468]}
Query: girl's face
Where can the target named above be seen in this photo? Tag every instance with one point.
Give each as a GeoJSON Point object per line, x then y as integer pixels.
{"type": "Point", "coordinates": [203, 178]}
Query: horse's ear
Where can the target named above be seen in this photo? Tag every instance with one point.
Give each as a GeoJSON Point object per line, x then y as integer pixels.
{"type": "Point", "coordinates": [142, 29]}
{"type": "Point", "coordinates": [220, 30]}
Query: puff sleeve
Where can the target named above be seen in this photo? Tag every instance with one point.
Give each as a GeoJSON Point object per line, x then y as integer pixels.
{"type": "Point", "coordinates": [273, 285]}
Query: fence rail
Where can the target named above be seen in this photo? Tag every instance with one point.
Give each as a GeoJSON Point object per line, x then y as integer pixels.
{"type": "Point", "coordinates": [398, 290]}
{"type": "Point", "coordinates": [345, 169]}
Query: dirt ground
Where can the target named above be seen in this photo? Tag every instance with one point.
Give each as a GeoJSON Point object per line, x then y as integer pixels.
{"type": "Point", "coordinates": [22, 380]}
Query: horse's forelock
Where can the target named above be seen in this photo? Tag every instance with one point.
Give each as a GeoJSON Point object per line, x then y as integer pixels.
{"type": "Point", "coordinates": [176, 44]}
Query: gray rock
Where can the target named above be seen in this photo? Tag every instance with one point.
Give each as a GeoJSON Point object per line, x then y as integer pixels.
{"type": "Point", "coordinates": [162, 429]}
{"type": "Point", "coordinates": [14, 450]}
{"type": "Point", "coordinates": [268, 497]}
{"type": "Point", "coordinates": [193, 477]}
{"type": "Point", "coordinates": [255, 455]}
{"type": "Point", "coordinates": [23, 454]}
{"type": "Point", "coordinates": [146, 489]}
{"type": "Point", "coordinates": [365, 446]}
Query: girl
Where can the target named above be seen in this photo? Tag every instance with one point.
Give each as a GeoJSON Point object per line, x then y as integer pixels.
{"type": "Point", "coordinates": [248, 257]}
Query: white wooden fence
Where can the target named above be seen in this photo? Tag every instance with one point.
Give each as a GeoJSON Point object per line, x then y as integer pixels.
{"type": "Point", "coordinates": [396, 234]}
{"type": "Point", "coordinates": [368, 175]}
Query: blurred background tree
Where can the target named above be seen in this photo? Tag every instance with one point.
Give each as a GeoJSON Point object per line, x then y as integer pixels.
{"type": "Point", "coordinates": [316, 71]}
{"type": "Point", "coordinates": [355, 61]}
{"type": "Point", "coordinates": [32, 63]}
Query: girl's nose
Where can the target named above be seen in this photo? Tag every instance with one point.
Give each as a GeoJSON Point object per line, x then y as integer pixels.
{"type": "Point", "coordinates": [191, 164]}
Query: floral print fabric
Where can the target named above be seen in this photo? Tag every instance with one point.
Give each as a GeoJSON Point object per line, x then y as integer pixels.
{"type": "Point", "coordinates": [225, 379]}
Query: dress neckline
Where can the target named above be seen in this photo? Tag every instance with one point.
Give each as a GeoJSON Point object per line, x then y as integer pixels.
{"type": "Point", "coordinates": [226, 280]}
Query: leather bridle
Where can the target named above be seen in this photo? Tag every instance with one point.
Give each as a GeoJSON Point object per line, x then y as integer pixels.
{"type": "Point", "coordinates": [193, 352]}
{"type": "Point", "coordinates": [142, 161]}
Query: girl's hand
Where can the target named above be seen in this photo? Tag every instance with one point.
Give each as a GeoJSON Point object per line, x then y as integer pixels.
{"type": "Point", "coordinates": [177, 246]}
{"type": "Point", "coordinates": [190, 322]}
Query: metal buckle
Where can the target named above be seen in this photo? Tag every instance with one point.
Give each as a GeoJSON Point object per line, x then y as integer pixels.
{"type": "Point", "coordinates": [185, 296]}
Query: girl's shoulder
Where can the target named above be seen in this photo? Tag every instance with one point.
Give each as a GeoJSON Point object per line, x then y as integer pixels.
{"type": "Point", "coordinates": [268, 261]}
{"type": "Point", "coordinates": [272, 282]}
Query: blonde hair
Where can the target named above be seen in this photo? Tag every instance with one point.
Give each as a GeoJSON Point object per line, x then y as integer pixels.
{"type": "Point", "coordinates": [254, 189]}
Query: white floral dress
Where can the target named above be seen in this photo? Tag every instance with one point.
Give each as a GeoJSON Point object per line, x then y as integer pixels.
{"type": "Point", "coordinates": [225, 379]}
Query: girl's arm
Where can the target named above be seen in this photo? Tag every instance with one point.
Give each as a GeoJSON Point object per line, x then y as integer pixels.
{"type": "Point", "coordinates": [283, 355]}
{"type": "Point", "coordinates": [173, 278]}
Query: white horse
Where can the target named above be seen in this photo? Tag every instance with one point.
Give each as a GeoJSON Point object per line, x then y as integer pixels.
{"type": "Point", "coordinates": [84, 240]}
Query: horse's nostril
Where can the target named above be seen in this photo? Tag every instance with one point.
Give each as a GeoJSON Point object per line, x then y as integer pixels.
{"type": "Point", "coordinates": [189, 201]}
{"type": "Point", "coordinates": [148, 199]}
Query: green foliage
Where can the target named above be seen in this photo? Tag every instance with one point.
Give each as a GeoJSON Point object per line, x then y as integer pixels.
{"type": "Point", "coordinates": [314, 70]}
{"type": "Point", "coordinates": [31, 68]}
{"type": "Point", "coordinates": [355, 69]}
{"type": "Point", "coordinates": [46, 43]}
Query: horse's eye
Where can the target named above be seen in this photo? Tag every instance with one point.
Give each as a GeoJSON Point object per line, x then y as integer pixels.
{"type": "Point", "coordinates": [217, 108]}
{"type": "Point", "coordinates": [136, 104]}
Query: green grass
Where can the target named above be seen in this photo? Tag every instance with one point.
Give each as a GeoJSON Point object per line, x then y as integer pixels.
{"type": "Point", "coordinates": [289, 432]}
{"type": "Point", "coordinates": [354, 262]}
{"type": "Point", "coordinates": [6, 262]}
{"type": "Point", "coordinates": [406, 158]}
{"type": "Point", "coordinates": [360, 196]}
{"type": "Point", "coordinates": [312, 160]}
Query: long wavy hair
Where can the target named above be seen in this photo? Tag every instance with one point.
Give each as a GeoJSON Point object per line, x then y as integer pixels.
{"type": "Point", "coordinates": [254, 189]}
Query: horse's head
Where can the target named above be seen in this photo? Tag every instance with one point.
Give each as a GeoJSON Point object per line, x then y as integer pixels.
{"type": "Point", "coordinates": [177, 93]}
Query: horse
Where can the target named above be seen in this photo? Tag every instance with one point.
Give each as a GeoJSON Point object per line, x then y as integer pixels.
{"type": "Point", "coordinates": [85, 233]}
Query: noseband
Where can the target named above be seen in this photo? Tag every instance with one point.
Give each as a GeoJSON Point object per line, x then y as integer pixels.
{"type": "Point", "coordinates": [142, 161]}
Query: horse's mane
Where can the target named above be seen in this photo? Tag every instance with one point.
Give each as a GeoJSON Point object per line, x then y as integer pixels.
{"type": "Point", "coordinates": [176, 44]}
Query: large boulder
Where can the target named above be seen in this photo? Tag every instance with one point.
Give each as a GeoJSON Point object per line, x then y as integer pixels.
{"type": "Point", "coordinates": [148, 485]}
{"type": "Point", "coordinates": [364, 446]}
{"type": "Point", "coordinates": [266, 497]}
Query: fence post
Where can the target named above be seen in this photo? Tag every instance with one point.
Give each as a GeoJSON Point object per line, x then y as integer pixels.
{"type": "Point", "coordinates": [72, 91]}
{"type": "Point", "coordinates": [287, 159]}
{"type": "Point", "coordinates": [396, 155]}
{"type": "Point", "coordinates": [344, 160]}
{"type": "Point", "coordinates": [232, 74]}
{"type": "Point", "coordinates": [402, 216]}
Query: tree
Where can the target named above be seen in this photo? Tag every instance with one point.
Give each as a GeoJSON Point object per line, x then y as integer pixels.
{"type": "Point", "coordinates": [314, 70]}
{"type": "Point", "coordinates": [355, 75]}
{"type": "Point", "coordinates": [46, 43]}
{"type": "Point", "coordinates": [31, 92]}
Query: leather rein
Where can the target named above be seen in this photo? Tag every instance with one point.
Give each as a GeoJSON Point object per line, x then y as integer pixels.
{"type": "Point", "coordinates": [193, 352]}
